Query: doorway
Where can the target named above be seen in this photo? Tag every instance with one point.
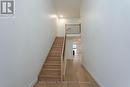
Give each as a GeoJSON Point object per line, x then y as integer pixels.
{"type": "Point", "coordinates": [73, 48]}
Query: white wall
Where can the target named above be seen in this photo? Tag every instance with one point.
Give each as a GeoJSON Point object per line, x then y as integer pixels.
{"type": "Point", "coordinates": [61, 27]}
{"type": "Point", "coordinates": [25, 41]}
{"type": "Point", "coordinates": [106, 41]}
{"type": "Point", "coordinates": [61, 24]}
{"type": "Point", "coordinates": [68, 8]}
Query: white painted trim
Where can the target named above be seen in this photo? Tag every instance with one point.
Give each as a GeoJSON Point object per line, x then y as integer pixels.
{"type": "Point", "coordinates": [73, 35]}
{"type": "Point", "coordinates": [33, 82]}
{"type": "Point", "coordinates": [94, 77]}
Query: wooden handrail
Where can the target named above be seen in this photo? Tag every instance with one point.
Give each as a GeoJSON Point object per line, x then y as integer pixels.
{"type": "Point", "coordinates": [64, 57]}
{"type": "Point", "coordinates": [63, 60]}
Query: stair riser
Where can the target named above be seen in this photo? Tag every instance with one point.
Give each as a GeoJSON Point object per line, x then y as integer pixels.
{"type": "Point", "coordinates": [53, 59]}
{"type": "Point", "coordinates": [53, 62]}
{"type": "Point", "coordinates": [49, 79]}
{"type": "Point", "coordinates": [56, 49]}
{"type": "Point", "coordinates": [52, 67]}
{"type": "Point", "coordinates": [55, 55]}
{"type": "Point", "coordinates": [55, 52]}
{"type": "Point", "coordinates": [52, 73]}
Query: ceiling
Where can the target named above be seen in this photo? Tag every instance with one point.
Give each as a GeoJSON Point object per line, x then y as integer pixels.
{"type": "Point", "coordinates": [68, 8]}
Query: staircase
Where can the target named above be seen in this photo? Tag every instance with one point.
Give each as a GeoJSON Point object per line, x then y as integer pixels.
{"type": "Point", "coordinates": [52, 68]}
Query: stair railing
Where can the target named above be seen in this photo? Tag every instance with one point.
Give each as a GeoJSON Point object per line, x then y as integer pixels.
{"type": "Point", "coordinates": [63, 60]}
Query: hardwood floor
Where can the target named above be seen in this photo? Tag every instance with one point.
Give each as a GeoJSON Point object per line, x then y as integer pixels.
{"type": "Point", "coordinates": [76, 75]}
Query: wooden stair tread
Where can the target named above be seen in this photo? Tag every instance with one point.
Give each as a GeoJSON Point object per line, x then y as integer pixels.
{"type": "Point", "coordinates": [51, 76]}
{"type": "Point", "coordinates": [54, 61]}
{"type": "Point", "coordinates": [51, 69]}
{"type": "Point", "coordinates": [54, 55]}
{"type": "Point", "coordinates": [53, 58]}
{"type": "Point", "coordinates": [51, 73]}
{"type": "Point", "coordinates": [54, 64]}
{"type": "Point", "coordinates": [53, 51]}
{"type": "Point", "coordinates": [49, 79]}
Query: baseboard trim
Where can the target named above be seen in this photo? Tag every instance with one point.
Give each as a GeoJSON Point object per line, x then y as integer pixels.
{"type": "Point", "coordinates": [33, 82]}
{"type": "Point", "coordinates": [94, 78]}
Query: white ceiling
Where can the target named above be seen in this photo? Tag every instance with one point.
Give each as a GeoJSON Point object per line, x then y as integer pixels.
{"type": "Point", "coordinates": [68, 8]}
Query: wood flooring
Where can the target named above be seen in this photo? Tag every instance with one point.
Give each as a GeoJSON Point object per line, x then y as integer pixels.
{"type": "Point", "coordinates": [76, 74]}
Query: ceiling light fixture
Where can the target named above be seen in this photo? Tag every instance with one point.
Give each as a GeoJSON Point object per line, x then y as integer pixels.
{"type": "Point", "coordinates": [53, 16]}
{"type": "Point", "coordinates": [61, 16]}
